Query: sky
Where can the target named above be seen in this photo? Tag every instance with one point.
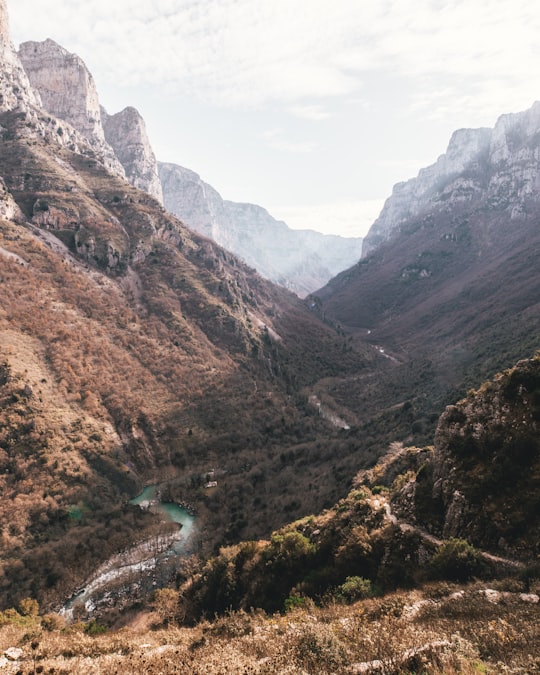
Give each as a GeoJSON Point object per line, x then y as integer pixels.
{"type": "Point", "coordinates": [313, 109]}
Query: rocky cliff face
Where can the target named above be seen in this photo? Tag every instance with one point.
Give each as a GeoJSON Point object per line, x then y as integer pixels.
{"type": "Point", "coordinates": [68, 91]}
{"type": "Point", "coordinates": [486, 445]}
{"type": "Point", "coordinates": [498, 168]}
{"type": "Point", "coordinates": [301, 260]}
{"type": "Point", "coordinates": [15, 89]}
{"type": "Point", "coordinates": [126, 134]}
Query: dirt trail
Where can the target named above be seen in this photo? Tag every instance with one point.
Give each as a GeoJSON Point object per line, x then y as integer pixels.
{"type": "Point", "coordinates": [426, 536]}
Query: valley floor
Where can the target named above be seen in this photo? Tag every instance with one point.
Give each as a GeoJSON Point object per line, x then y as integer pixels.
{"type": "Point", "coordinates": [439, 630]}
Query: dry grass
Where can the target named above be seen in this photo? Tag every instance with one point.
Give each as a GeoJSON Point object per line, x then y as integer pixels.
{"type": "Point", "coordinates": [462, 633]}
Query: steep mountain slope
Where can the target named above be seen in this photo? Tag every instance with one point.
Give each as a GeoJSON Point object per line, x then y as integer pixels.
{"type": "Point", "coordinates": [301, 260]}
{"type": "Point", "coordinates": [451, 288]}
{"type": "Point", "coordinates": [133, 350]}
{"type": "Point", "coordinates": [479, 483]}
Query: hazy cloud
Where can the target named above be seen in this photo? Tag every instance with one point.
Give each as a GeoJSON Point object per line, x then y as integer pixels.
{"type": "Point", "coordinates": [240, 52]}
{"type": "Point", "coordinates": [315, 113]}
{"type": "Point", "coordinates": [351, 218]}
{"type": "Point", "coordinates": [277, 140]}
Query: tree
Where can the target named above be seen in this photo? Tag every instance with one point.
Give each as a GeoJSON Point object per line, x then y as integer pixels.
{"type": "Point", "coordinates": [165, 604]}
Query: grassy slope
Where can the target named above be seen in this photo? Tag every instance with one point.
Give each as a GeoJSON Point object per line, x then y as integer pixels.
{"type": "Point", "coordinates": [467, 634]}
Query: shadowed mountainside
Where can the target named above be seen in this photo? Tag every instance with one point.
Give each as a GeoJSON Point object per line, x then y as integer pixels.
{"type": "Point", "coordinates": [449, 288]}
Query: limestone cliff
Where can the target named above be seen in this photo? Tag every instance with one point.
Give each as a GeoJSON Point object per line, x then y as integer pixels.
{"type": "Point", "coordinates": [497, 168]}
{"type": "Point", "coordinates": [68, 92]}
{"type": "Point", "coordinates": [301, 260]}
{"type": "Point", "coordinates": [126, 134]}
{"type": "Point", "coordinates": [15, 89]}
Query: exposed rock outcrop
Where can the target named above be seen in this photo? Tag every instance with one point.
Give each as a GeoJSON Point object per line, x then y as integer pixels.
{"type": "Point", "coordinates": [485, 446]}
{"type": "Point", "coordinates": [15, 89]}
{"type": "Point", "coordinates": [68, 91]}
{"type": "Point", "coordinates": [498, 168]}
{"type": "Point", "coordinates": [301, 260]}
{"type": "Point", "coordinates": [126, 134]}
{"type": "Point", "coordinates": [8, 207]}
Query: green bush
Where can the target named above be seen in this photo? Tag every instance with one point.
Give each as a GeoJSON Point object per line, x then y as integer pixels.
{"type": "Point", "coordinates": [354, 588]}
{"type": "Point", "coordinates": [294, 601]}
{"type": "Point", "coordinates": [457, 560]}
{"type": "Point", "coordinates": [94, 628]}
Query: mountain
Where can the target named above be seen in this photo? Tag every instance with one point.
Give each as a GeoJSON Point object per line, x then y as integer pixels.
{"type": "Point", "coordinates": [301, 260]}
{"type": "Point", "coordinates": [126, 134]}
{"type": "Point", "coordinates": [496, 169]}
{"type": "Point", "coordinates": [135, 351]}
{"type": "Point", "coordinates": [448, 290]}
{"type": "Point", "coordinates": [68, 91]}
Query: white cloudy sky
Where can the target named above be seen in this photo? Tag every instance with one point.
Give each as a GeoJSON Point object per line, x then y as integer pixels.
{"type": "Point", "coordinates": [311, 108]}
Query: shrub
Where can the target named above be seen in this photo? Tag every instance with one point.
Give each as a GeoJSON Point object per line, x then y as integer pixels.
{"type": "Point", "coordinates": [94, 628]}
{"type": "Point", "coordinates": [52, 622]}
{"type": "Point", "coordinates": [165, 603]}
{"type": "Point", "coordinates": [354, 588]}
{"type": "Point", "coordinates": [457, 560]}
{"type": "Point", "coordinates": [29, 607]}
{"type": "Point", "coordinates": [318, 650]}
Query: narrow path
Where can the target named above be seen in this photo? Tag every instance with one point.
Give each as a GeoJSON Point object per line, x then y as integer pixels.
{"type": "Point", "coordinates": [426, 536]}
{"type": "Point", "coordinates": [13, 256]}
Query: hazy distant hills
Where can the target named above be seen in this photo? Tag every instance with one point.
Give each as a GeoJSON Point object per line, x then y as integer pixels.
{"type": "Point", "coordinates": [301, 260]}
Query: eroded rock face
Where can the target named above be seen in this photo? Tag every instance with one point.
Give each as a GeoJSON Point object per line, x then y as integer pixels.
{"type": "Point", "coordinates": [68, 91]}
{"type": "Point", "coordinates": [8, 207]}
{"type": "Point", "coordinates": [301, 260]}
{"type": "Point", "coordinates": [15, 89]}
{"type": "Point", "coordinates": [497, 168]}
{"type": "Point", "coordinates": [126, 134]}
{"type": "Point", "coordinates": [486, 446]}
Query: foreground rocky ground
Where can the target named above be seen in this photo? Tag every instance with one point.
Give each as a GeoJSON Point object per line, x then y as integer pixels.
{"type": "Point", "coordinates": [441, 629]}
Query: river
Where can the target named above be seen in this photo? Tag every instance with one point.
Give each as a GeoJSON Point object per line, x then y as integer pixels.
{"type": "Point", "coordinates": [172, 513]}
{"type": "Point", "coordinates": [142, 560]}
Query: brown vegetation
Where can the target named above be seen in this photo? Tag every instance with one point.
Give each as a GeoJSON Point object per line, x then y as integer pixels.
{"type": "Point", "coordinates": [440, 630]}
{"type": "Point", "coordinates": [136, 351]}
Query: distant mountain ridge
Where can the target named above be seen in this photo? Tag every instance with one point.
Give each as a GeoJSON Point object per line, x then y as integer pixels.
{"type": "Point", "coordinates": [448, 286]}
{"type": "Point", "coordinates": [301, 260]}
{"type": "Point", "coordinates": [498, 168]}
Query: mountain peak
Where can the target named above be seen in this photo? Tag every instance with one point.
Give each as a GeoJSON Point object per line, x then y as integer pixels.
{"type": "Point", "coordinates": [497, 167]}
{"type": "Point", "coordinates": [68, 92]}
{"type": "Point", "coordinates": [126, 134]}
